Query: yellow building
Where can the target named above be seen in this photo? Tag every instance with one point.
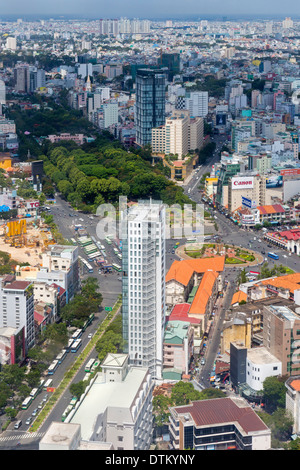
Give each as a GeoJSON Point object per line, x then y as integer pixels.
{"type": "Point", "coordinates": [210, 186]}
{"type": "Point", "coordinates": [239, 330]}
{"type": "Point", "coordinates": [5, 160]}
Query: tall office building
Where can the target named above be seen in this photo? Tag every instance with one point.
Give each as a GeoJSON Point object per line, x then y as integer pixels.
{"type": "Point", "coordinates": [143, 284]}
{"type": "Point", "coordinates": [22, 78]}
{"type": "Point", "coordinates": [2, 95]}
{"type": "Point", "coordinates": [150, 103]}
{"type": "Point", "coordinates": [172, 62]}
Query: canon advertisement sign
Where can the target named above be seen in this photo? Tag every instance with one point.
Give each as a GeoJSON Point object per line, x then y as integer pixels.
{"type": "Point", "coordinates": [242, 182]}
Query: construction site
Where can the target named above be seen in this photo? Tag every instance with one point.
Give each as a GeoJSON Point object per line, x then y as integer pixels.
{"type": "Point", "coordinates": [25, 240]}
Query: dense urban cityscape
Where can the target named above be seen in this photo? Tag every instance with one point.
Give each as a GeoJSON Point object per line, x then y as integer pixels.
{"type": "Point", "coordinates": [149, 234]}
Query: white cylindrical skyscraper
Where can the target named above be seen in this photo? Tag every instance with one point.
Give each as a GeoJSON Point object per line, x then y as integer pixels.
{"type": "Point", "coordinates": [143, 284]}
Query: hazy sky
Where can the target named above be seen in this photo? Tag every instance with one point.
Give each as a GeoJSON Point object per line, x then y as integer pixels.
{"type": "Point", "coordinates": [149, 8]}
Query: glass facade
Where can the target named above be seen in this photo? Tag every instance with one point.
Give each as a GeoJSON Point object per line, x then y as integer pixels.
{"type": "Point", "coordinates": [150, 103]}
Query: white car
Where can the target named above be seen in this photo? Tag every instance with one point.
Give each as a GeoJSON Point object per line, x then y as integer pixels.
{"type": "Point", "coordinates": [90, 335]}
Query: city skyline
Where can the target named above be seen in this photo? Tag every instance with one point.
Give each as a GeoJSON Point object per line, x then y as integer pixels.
{"type": "Point", "coordinates": [157, 9]}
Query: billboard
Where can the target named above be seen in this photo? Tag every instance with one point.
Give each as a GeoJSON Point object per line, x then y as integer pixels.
{"type": "Point", "coordinates": [242, 182]}
{"type": "Point", "coordinates": [274, 181]}
{"type": "Point", "coordinates": [290, 172]}
{"type": "Point", "coordinates": [32, 205]}
{"type": "Point", "coordinates": [246, 202]}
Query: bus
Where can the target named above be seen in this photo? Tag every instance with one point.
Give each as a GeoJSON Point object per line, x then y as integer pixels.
{"type": "Point", "coordinates": [88, 321]}
{"type": "Point", "coordinates": [73, 241]}
{"type": "Point", "coordinates": [116, 267]}
{"type": "Point", "coordinates": [93, 256]}
{"type": "Point", "coordinates": [191, 240]}
{"type": "Point", "coordinates": [66, 412]}
{"type": "Point", "coordinates": [86, 377]}
{"type": "Point", "coordinates": [52, 368]}
{"type": "Point", "coordinates": [47, 384]}
{"type": "Point", "coordinates": [86, 265]}
{"type": "Point", "coordinates": [77, 334]}
{"type": "Point", "coordinates": [116, 251]}
{"type": "Point", "coordinates": [60, 357]}
{"type": "Point", "coordinates": [76, 345]}
{"type": "Point", "coordinates": [273, 255]}
{"type": "Point", "coordinates": [34, 393]}
{"type": "Point", "coordinates": [26, 403]}
{"type": "Point", "coordinates": [108, 240]}
{"type": "Point", "coordinates": [73, 401]}
{"type": "Point", "coordinates": [70, 342]}
{"type": "Point", "coordinates": [40, 387]}
{"type": "Point", "coordinates": [94, 366]}
{"type": "Point", "coordinates": [88, 365]}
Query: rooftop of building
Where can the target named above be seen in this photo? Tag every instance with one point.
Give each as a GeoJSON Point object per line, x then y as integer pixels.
{"type": "Point", "coordinates": [290, 282]}
{"type": "Point", "coordinates": [283, 312]}
{"type": "Point", "coordinates": [180, 312]}
{"type": "Point", "coordinates": [60, 434]}
{"type": "Point", "coordinates": [103, 396]}
{"type": "Point", "coordinates": [223, 410]}
{"type": "Point", "coordinates": [238, 297]}
{"type": "Point", "coordinates": [204, 292]}
{"type": "Point", "coordinates": [17, 285]}
{"type": "Point", "coordinates": [271, 209]}
{"type": "Point", "coordinates": [182, 271]}
{"type": "Point", "coordinates": [114, 360]}
{"type": "Point", "coordinates": [294, 383]}
{"type": "Point", "coordinates": [261, 356]}
{"type": "Point", "coordinates": [176, 331]}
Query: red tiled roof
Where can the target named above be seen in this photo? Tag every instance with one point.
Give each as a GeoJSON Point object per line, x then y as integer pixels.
{"type": "Point", "coordinates": [18, 285]}
{"type": "Point", "coordinates": [223, 410]}
{"type": "Point", "coordinates": [271, 209]}
{"type": "Point", "coordinates": [290, 234]}
{"type": "Point", "coordinates": [180, 313]}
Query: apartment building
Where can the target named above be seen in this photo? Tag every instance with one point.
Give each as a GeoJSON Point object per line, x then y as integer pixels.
{"type": "Point", "coordinates": [60, 265]}
{"type": "Point", "coordinates": [218, 424]}
{"type": "Point", "coordinates": [281, 336]}
{"type": "Point", "coordinates": [196, 102]}
{"type": "Point", "coordinates": [177, 348]}
{"type": "Point", "coordinates": [178, 135]}
{"type": "Point", "coordinates": [118, 406]}
{"type": "Point", "coordinates": [17, 307]}
{"type": "Point", "coordinates": [143, 284]}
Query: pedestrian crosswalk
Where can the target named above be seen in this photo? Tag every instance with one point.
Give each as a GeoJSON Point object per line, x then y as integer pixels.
{"type": "Point", "coordinates": [20, 437]}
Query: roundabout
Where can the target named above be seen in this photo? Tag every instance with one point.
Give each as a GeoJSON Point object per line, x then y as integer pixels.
{"type": "Point", "coordinates": [235, 256]}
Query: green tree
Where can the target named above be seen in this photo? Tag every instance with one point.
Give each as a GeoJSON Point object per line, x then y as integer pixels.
{"type": "Point", "coordinates": [77, 389]}
{"type": "Point", "coordinates": [274, 393]}
{"type": "Point", "coordinates": [161, 409]}
{"type": "Point", "coordinates": [183, 393]}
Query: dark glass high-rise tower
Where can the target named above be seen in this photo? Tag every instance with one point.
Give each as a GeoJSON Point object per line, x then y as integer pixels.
{"type": "Point", "coordinates": [150, 103]}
